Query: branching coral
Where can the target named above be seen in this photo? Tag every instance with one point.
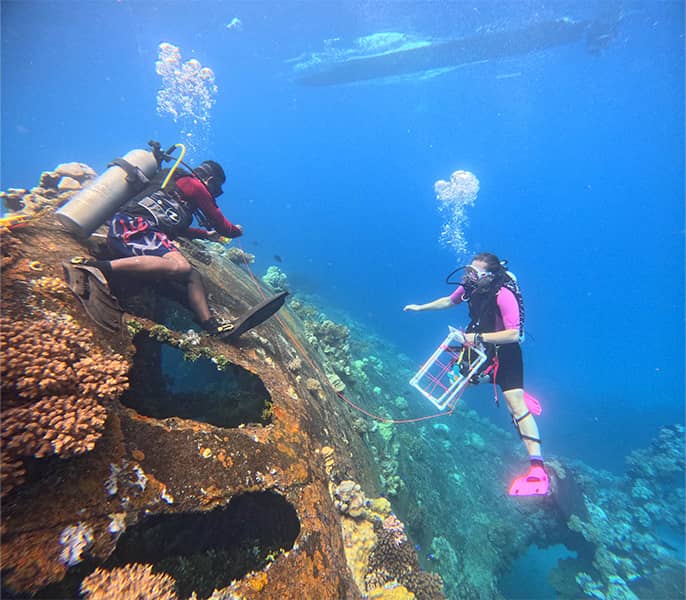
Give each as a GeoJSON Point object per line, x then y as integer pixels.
{"type": "Point", "coordinates": [131, 582]}
{"type": "Point", "coordinates": [396, 559]}
{"type": "Point", "coordinates": [54, 383]}
{"type": "Point", "coordinates": [276, 279]}
{"type": "Point", "coordinates": [334, 340]}
{"type": "Point", "coordinates": [331, 338]}
{"type": "Point", "coordinates": [391, 560]}
{"type": "Point", "coordinates": [425, 585]}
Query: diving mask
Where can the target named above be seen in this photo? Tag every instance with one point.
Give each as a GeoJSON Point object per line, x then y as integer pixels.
{"type": "Point", "coordinates": [212, 176]}
{"type": "Point", "coordinates": [213, 187]}
{"type": "Point", "coordinates": [471, 278]}
{"type": "Point", "coordinates": [474, 275]}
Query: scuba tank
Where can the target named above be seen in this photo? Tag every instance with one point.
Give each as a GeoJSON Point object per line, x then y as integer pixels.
{"type": "Point", "coordinates": [125, 177]}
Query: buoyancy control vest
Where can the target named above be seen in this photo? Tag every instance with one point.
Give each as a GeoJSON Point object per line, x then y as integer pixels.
{"type": "Point", "coordinates": [483, 302]}
{"type": "Point", "coordinates": [482, 298]}
{"type": "Point", "coordinates": [165, 207]}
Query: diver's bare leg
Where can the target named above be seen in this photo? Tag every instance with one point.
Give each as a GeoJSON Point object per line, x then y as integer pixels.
{"type": "Point", "coordinates": [527, 426]}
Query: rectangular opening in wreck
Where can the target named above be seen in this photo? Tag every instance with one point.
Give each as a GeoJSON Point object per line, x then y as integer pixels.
{"type": "Point", "coordinates": [163, 383]}
{"type": "Point", "coordinates": [199, 551]}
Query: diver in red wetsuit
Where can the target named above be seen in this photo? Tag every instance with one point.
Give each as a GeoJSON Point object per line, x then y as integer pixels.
{"type": "Point", "coordinates": [141, 233]}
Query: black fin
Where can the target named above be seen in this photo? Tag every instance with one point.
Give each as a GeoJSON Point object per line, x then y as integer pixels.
{"type": "Point", "coordinates": [90, 287]}
{"type": "Point", "coordinates": [256, 315]}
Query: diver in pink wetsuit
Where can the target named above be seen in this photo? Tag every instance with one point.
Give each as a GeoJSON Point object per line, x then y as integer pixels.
{"type": "Point", "coordinates": [497, 316]}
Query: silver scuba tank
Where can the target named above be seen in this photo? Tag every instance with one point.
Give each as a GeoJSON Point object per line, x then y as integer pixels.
{"type": "Point", "coordinates": [97, 202]}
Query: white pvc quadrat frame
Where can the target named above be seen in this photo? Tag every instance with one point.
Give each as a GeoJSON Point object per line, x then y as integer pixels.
{"type": "Point", "coordinates": [437, 380]}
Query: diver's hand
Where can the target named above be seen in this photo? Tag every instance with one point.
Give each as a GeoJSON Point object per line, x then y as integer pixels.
{"type": "Point", "coordinates": [469, 338]}
{"type": "Point", "coordinates": [412, 308]}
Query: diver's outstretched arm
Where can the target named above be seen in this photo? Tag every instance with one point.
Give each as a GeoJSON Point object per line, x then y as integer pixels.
{"type": "Point", "coordinates": [438, 304]}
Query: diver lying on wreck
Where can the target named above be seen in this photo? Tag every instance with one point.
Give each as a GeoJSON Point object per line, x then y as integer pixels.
{"type": "Point", "coordinates": [142, 230]}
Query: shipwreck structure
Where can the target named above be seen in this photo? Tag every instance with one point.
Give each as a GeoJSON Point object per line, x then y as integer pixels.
{"type": "Point", "coordinates": [157, 462]}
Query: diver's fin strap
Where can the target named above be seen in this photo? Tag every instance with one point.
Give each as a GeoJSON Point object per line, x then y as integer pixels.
{"type": "Point", "coordinates": [517, 420]}
{"type": "Point", "coordinates": [134, 175]}
{"type": "Point", "coordinates": [223, 328]}
{"type": "Point", "coordinates": [531, 439]}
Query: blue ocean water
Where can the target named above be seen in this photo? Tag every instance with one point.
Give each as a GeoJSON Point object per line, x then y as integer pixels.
{"type": "Point", "coordinates": [580, 156]}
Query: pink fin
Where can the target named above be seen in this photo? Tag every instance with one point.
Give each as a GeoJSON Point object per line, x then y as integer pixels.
{"type": "Point", "coordinates": [532, 404]}
{"type": "Point", "coordinates": [534, 483]}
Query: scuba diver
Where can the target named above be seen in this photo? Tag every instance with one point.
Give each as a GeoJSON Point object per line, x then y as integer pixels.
{"type": "Point", "coordinates": [147, 208]}
{"type": "Point", "coordinates": [496, 311]}
{"type": "Point", "coordinates": [142, 231]}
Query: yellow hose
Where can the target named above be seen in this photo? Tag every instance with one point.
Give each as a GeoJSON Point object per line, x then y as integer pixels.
{"type": "Point", "coordinates": [176, 164]}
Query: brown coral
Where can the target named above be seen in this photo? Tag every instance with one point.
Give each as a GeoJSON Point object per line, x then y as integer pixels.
{"type": "Point", "coordinates": [54, 189]}
{"type": "Point", "coordinates": [239, 257]}
{"type": "Point", "coordinates": [425, 586]}
{"type": "Point", "coordinates": [131, 582]}
{"type": "Point", "coordinates": [388, 555]}
{"type": "Point", "coordinates": [53, 384]}
{"type": "Point", "coordinates": [31, 561]}
{"type": "Point", "coordinates": [393, 561]}
{"type": "Point", "coordinates": [295, 364]}
{"type": "Point", "coordinates": [63, 425]}
{"type": "Point", "coordinates": [313, 386]}
{"type": "Point", "coordinates": [13, 199]}
{"type": "Point", "coordinates": [10, 251]}
{"type": "Point", "coordinates": [350, 498]}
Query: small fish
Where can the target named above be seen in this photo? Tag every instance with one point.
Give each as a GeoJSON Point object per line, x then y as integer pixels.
{"type": "Point", "coordinates": [277, 258]}
{"type": "Point", "coordinates": [431, 557]}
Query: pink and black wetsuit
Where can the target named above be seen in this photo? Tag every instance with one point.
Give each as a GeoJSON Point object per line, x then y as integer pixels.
{"type": "Point", "coordinates": [510, 374]}
{"type": "Point", "coordinates": [507, 316]}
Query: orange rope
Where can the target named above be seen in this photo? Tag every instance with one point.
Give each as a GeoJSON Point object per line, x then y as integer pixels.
{"type": "Point", "coordinates": [295, 342]}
